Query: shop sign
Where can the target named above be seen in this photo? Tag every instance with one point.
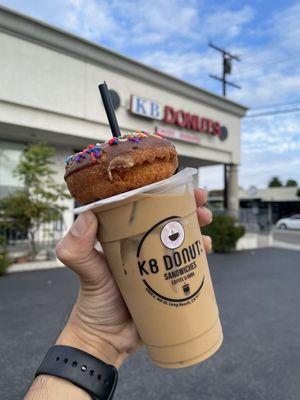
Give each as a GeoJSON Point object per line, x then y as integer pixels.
{"type": "Point", "coordinates": [193, 122]}
{"type": "Point", "coordinates": [178, 135]}
{"type": "Point", "coordinates": [146, 108]}
{"type": "Point", "coordinates": [181, 118]}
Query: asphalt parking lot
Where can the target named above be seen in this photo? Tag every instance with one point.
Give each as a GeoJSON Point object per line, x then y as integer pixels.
{"type": "Point", "coordinates": [258, 296]}
{"type": "Point", "coordinates": [287, 236]}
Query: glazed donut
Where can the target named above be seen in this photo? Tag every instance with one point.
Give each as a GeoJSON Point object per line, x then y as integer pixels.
{"type": "Point", "coordinates": [118, 165]}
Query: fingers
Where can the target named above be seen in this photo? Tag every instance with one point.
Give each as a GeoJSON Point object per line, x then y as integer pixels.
{"type": "Point", "coordinates": [76, 249]}
{"type": "Point", "coordinates": [200, 197]}
{"type": "Point", "coordinates": [207, 243]}
{"type": "Point", "coordinates": [203, 213]}
{"type": "Point", "coordinates": [204, 216]}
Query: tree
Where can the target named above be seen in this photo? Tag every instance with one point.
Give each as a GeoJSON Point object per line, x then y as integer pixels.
{"type": "Point", "coordinates": [275, 182]}
{"type": "Point", "coordinates": [38, 202]}
{"type": "Point", "coordinates": [298, 192]}
{"type": "Point", "coordinates": [291, 183]}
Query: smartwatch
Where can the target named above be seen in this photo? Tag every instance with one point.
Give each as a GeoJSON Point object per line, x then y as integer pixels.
{"type": "Point", "coordinates": [82, 369]}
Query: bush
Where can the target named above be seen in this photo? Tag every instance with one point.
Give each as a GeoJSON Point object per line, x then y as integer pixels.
{"type": "Point", "coordinates": [4, 258]}
{"type": "Point", "coordinates": [225, 232]}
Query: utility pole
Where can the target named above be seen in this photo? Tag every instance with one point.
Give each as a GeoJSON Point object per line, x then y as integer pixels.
{"type": "Point", "coordinates": [227, 67]}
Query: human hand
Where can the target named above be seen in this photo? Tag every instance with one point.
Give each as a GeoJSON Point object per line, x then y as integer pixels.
{"type": "Point", "coordinates": [100, 323]}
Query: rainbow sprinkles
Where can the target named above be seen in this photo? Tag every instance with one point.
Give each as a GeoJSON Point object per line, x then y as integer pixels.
{"type": "Point", "coordinates": [94, 151]}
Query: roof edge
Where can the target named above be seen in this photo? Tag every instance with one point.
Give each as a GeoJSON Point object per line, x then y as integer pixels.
{"type": "Point", "coordinates": [29, 28]}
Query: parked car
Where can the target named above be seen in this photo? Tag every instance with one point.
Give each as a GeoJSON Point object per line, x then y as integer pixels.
{"type": "Point", "coordinates": [292, 222]}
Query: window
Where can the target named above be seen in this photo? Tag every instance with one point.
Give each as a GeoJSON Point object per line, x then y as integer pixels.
{"type": "Point", "coordinates": [10, 153]}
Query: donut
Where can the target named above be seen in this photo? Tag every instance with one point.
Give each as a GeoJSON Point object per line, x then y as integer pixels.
{"type": "Point", "coordinates": [121, 164]}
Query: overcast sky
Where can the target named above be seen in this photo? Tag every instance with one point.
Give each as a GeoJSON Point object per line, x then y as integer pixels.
{"type": "Point", "coordinates": [173, 35]}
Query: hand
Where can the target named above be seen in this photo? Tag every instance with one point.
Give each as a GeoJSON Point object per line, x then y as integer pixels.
{"type": "Point", "coordinates": [100, 323]}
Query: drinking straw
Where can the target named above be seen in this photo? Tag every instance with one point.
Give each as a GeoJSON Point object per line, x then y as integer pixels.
{"type": "Point", "coordinates": [110, 112]}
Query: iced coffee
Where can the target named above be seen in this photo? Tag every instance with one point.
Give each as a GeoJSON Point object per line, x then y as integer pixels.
{"type": "Point", "coordinates": [152, 241]}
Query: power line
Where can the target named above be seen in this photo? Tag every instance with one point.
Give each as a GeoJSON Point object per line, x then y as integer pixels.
{"type": "Point", "coordinates": [271, 60]}
{"type": "Point", "coordinates": [269, 73]}
{"type": "Point", "coordinates": [265, 114]}
{"type": "Point", "coordinates": [276, 105]}
{"type": "Point", "coordinates": [278, 60]}
{"type": "Point", "coordinates": [261, 71]}
{"type": "Point", "coordinates": [227, 67]}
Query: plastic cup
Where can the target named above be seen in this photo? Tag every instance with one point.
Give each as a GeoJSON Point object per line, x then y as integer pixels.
{"type": "Point", "coordinates": [153, 244]}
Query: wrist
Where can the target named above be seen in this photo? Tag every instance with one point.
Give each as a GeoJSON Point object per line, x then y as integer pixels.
{"type": "Point", "coordinates": [96, 346]}
{"type": "Point", "coordinates": [52, 387]}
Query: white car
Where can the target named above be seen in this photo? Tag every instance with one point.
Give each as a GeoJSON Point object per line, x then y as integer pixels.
{"type": "Point", "coordinates": [292, 222]}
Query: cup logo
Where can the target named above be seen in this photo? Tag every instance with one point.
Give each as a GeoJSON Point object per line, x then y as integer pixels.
{"type": "Point", "coordinates": [169, 261]}
{"type": "Point", "coordinates": [172, 235]}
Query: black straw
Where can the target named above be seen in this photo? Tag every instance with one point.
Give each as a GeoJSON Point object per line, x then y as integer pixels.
{"type": "Point", "coordinates": [110, 112]}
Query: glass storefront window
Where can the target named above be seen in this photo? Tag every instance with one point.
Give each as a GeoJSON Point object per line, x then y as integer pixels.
{"type": "Point", "coordinates": [10, 154]}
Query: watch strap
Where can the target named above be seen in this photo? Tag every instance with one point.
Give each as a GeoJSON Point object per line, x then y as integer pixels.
{"type": "Point", "coordinates": [82, 369]}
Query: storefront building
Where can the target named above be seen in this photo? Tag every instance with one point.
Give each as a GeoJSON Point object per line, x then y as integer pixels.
{"type": "Point", "coordinates": [269, 205]}
{"type": "Point", "coordinates": [49, 92]}
{"type": "Point", "coordinates": [261, 208]}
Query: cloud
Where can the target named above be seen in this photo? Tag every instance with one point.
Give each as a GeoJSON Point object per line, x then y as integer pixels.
{"type": "Point", "coordinates": [270, 69]}
{"type": "Point", "coordinates": [266, 75]}
{"type": "Point", "coordinates": [159, 20]}
{"type": "Point", "coordinates": [257, 169]}
{"type": "Point", "coordinates": [227, 23]}
{"type": "Point", "coordinates": [285, 27]}
{"type": "Point", "coordinates": [270, 146]}
{"type": "Point", "coordinates": [125, 24]}
{"type": "Point", "coordinates": [93, 20]}
{"type": "Point", "coordinates": [184, 64]}
{"type": "Point", "coordinates": [273, 134]}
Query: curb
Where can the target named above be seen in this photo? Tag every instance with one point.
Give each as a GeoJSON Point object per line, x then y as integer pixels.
{"type": "Point", "coordinates": [284, 245]}
{"type": "Point", "coordinates": [34, 266]}
{"type": "Point", "coordinates": [44, 265]}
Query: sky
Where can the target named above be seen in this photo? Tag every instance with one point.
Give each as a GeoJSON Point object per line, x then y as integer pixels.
{"type": "Point", "coordinates": [173, 36]}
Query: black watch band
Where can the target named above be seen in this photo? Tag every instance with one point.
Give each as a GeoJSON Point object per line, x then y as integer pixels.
{"type": "Point", "coordinates": [82, 369]}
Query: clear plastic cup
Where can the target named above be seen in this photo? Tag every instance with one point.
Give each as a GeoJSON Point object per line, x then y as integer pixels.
{"type": "Point", "coordinates": [153, 244]}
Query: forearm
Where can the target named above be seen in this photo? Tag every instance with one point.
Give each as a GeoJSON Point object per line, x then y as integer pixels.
{"type": "Point", "coordinates": [46, 387]}
{"type": "Point", "coordinates": [99, 347]}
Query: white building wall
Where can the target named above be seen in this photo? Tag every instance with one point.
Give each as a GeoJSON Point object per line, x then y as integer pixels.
{"type": "Point", "coordinates": [48, 90]}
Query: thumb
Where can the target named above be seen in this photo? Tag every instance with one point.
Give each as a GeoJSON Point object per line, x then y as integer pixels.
{"type": "Point", "coordinates": [76, 249]}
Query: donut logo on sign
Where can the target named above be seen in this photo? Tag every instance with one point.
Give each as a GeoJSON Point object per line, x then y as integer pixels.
{"type": "Point", "coordinates": [172, 235]}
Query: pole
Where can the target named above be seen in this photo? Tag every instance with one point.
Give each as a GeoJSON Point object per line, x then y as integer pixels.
{"type": "Point", "coordinates": [225, 193]}
{"type": "Point", "coordinates": [227, 59]}
{"type": "Point", "coordinates": [224, 76]}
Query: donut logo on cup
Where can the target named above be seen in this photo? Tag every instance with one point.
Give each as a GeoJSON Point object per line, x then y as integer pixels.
{"type": "Point", "coordinates": [169, 262]}
{"type": "Point", "coordinates": [172, 235]}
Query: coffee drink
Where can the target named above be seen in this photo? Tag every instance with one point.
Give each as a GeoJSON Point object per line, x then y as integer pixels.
{"type": "Point", "coordinates": [153, 245]}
